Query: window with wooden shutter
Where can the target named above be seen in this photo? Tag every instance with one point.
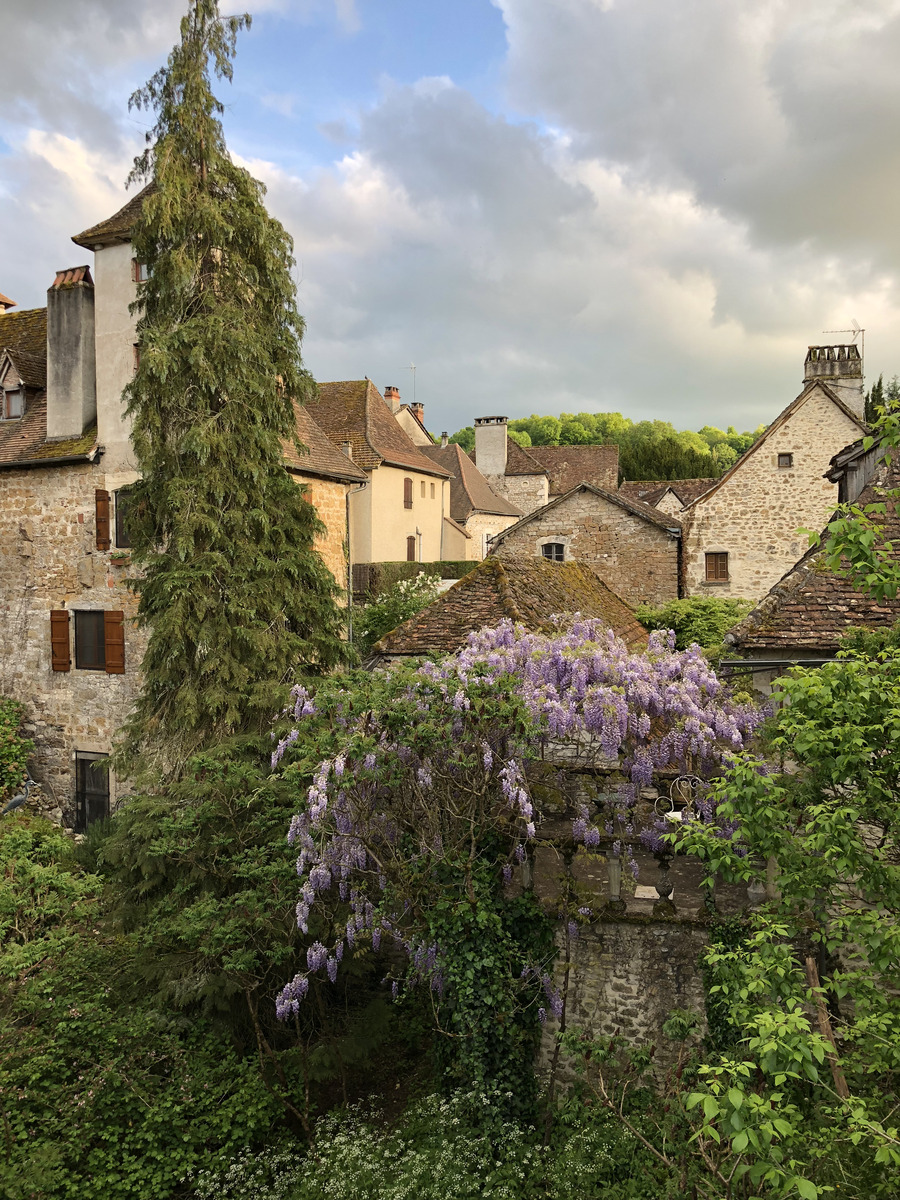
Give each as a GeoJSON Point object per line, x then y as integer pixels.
{"type": "Point", "coordinates": [101, 518]}
{"type": "Point", "coordinates": [114, 642]}
{"type": "Point", "coordinates": [410, 549]}
{"type": "Point", "coordinates": [60, 658]}
{"type": "Point", "coordinates": [407, 493]}
{"type": "Point", "coordinates": [717, 567]}
{"type": "Point", "coordinates": [90, 640]}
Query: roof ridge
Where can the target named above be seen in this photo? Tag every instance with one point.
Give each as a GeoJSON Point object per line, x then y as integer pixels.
{"type": "Point", "coordinates": [504, 590]}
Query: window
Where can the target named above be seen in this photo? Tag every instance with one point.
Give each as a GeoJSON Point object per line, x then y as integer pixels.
{"type": "Point", "coordinates": [717, 568]}
{"type": "Point", "coordinates": [422, 489]}
{"type": "Point", "coordinates": [410, 549]}
{"type": "Point", "coordinates": [13, 404]}
{"type": "Point", "coordinates": [91, 790]}
{"type": "Point", "coordinates": [123, 499]}
{"type": "Point", "coordinates": [99, 641]}
{"type": "Point", "coordinates": [101, 518]}
{"type": "Point", "coordinates": [139, 271]}
{"type": "Point", "coordinates": [407, 495]}
{"type": "Point", "coordinates": [432, 491]}
{"type": "Point", "coordinates": [785, 460]}
{"type": "Point", "coordinates": [555, 551]}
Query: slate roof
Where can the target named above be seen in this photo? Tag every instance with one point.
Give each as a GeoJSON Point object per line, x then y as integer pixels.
{"type": "Point", "coordinates": [778, 422]}
{"type": "Point", "coordinates": [116, 228]}
{"type": "Point", "coordinates": [527, 590]}
{"type": "Point", "coordinates": [672, 525]}
{"type": "Point", "coordinates": [322, 457]}
{"type": "Point", "coordinates": [810, 606]}
{"type": "Point", "coordinates": [469, 490]}
{"type": "Point", "coordinates": [354, 411]}
{"type": "Point", "coordinates": [519, 461]}
{"type": "Point", "coordinates": [568, 466]}
{"type": "Point", "coordinates": [24, 336]}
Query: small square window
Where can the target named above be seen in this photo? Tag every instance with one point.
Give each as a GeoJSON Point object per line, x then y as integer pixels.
{"type": "Point", "coordinates": [139, 271]}
{"type": "Point", "coordinates": [555, 551]}
{"type": "Point", "coordinates": [90, 641]}
{"type": "Point", "coordinates": [14, 404]}
{"type": "Point", "coordinates": [785, 460]}
{"type": "Point", "coordinates": [717, 568]}
{"type": "Point", "coordinates": [432, 491]}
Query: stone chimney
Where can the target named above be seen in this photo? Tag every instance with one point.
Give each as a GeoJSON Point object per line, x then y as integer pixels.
{"type": "Point", "coordinates": [347, 448]}
{"type": "Point", "coordinates": [418, 411]}
{"type": "Point", "coordinates": [841, 368]}
{"type": "Point", "coordinates": [71, 364]}
{"type": "Point", "coordinates": [490, 445]}
{"type": "Point", "coordinates": [445, 441]}
{"type": "Point", "coordinates": [392, 399]}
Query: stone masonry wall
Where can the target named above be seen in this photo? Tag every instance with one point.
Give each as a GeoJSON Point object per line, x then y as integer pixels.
{"type": "Point", "coordinates": [755, 514]}
{"type": "Point", "coordinates": [49, 560]}
{"type": "Point", "coordinates": [480, 524]}
{"type": "Point", "coordinates": [636, 559]}
{"type": "Point", "coordinates": [328, 497]}
{"type": "Point", "coordinates": [526, 492]}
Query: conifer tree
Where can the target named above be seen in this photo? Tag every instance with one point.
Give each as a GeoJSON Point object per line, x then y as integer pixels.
{"type": "Point", "coordinates": [235, 596]}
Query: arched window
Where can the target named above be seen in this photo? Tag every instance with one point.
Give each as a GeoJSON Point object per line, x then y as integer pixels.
{"type": "Point", "coordinates": [410, 548]}
{"type": "Point", "coordinates": [407, 494]}
{"type": "Point", "coordinates": [555, 551]}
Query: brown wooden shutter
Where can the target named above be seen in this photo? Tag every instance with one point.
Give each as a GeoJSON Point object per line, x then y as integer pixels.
{"type": "Point", "coordinates": [101, 517]}
{"type": "Point", "coordinates": [410, 549]}
{"type": "Point", "coordinates": [114, 641]}
{"type": "Point", "coordinates": [60, 658]}
{"type": "Point", "coordinates": [407, 493]}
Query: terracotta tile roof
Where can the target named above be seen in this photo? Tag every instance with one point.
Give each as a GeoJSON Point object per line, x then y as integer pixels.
{"type": "Point", "coordinates": [354, 411]}
{"type": "Point", "coordinates": [24, 336]}
{"type": "Point", "coordinates": [116, 228]}
{"type": "Point", "coordinates": [778, 422]}
{"type": "Point", "coordinates": [23, 442]}
{"type": "Point", "coordinates": [811, 607]}
{"type": "Point", "coordinates": [72, 276]}
{"type": "Point", "coordinates": [638, 508]}
{"type": "Point", "coordinates": [526, 590]}
{"type": "Point", "coordinates": [322, 457]}
{"type": "Point", "coordinates": [568, 466]}
{"type": "Point", "coordinates": [5, 302]}
{"type": "Point", "coordinates": [469, 490]}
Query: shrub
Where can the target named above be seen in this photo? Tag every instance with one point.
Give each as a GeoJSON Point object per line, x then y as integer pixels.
{"type": "Point", "coordinates": [701, 619]}
{"type": "Point", "coordinates": [14, 749]}
{"type": "Point", "coordinates": [400, 602]}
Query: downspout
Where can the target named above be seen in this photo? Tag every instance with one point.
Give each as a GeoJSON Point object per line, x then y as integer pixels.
{"type": "Point", "coordinates": [441, 543]}
{"type": "Point", "coordinates": [350, 492]}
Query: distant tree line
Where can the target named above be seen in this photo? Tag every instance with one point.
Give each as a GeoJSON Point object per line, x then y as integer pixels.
{"type": "Point", "coordinates": [647, 449]}
{"type": "Point", "coordinates": [882, 396]}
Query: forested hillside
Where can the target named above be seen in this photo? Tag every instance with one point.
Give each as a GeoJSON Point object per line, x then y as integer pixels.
{"type": "Point", "coordinates": [647, 449]}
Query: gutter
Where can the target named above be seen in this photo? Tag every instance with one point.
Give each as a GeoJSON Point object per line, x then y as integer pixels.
{"type": "Point", "coordinates": [751, 665]}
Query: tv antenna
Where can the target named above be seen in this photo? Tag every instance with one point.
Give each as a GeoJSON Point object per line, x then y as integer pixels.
{"type": "Point", "coordinates": [412, 367]}
{"type": "Point", "coordinates": [855, 332]}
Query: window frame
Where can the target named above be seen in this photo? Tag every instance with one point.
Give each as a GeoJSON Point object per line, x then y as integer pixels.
{"type": "Point", "coordinates": [407, 492]}
{"type": "Point", "coordinates": [90, 619]}
{"type": "Point", "coordinates": [785, 466]}
{"type": "Point", "coordinates": [8, 394]}
{"type": "Point", "coordinates": [120, 499]}
{"type": "Point", "coordinates": [411, 547]}
{"type": "Point", "coordinates": [84, 761]}
{"type": "Point", "coordinates": [714, 562]}
{"type": "Point", "coordinates": [554, 546]}
{"type": "Point", "coordinates": [140, 272]}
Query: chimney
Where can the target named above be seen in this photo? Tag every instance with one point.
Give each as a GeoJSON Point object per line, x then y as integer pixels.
{"type": "Point", "coordinates": [490, 445]}
{"type": "Point", "coordinates": [841, 368]}
{"type": "Point", "coordinates": [392, 399]}
{"type": "Point", "coordinates": [418, 411]}
{"type": "Point", "coordinates": [6, 303]}
{"type": "Point", "coordinates": [445, 441]}
{"type": "Point", "coordinates": [347, 448]}
{"type": "Point", "coordinates": [71, 367]}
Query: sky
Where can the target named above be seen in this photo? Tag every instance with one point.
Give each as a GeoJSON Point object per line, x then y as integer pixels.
{"type": "Point", "coordinates": [547, 206]}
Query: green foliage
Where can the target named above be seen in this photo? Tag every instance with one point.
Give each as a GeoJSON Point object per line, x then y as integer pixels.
{"type": "Point", "coordinates": [402, 600]}
{"type": "Point", "coordinates": [14, 749]}
{"type": "Point", "coordinates": [520, 437]}
{"type": "Point", "coordinates": [446, 1148]}
{"type": "Point", "coordinates": [382, 576]}
{"type": "Point", "coordinates": [701, 619]}
{"type": "Point", "coordinates": [102, 1096]}
{"type": "Point", "coordinates": [464, 437]}
{"type": "Point", "coordinates": [231, 587]}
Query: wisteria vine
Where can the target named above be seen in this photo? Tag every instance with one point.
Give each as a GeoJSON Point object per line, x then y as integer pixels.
{"type": "Point", "coordinates": [430, 766]}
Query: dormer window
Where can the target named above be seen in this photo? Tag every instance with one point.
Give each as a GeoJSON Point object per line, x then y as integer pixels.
{"type": "Point", "coordinates": [140, 272]}
{"type": "Point", "coordinates": [13, 404]}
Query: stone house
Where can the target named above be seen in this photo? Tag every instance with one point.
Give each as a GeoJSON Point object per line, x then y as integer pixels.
{"type": "Point", "coordinates": [474, 506]}
{"type": "Point", "coordinates": [528, 591]}
{"type": "Point", "coordinates": [530, 478]}
{"type": "Point", "coordinates": [670, 496]}
{"type": "Point", "coordinates": [808, 611]}
{"type": "Point", "coordinates": [633, 547]}
{"type": "Point", "coordinates": [400, 514]}
{"type": "Point", "coordinates": [70, 650]}
{"type": "Point", "coordinates": [743, 533]}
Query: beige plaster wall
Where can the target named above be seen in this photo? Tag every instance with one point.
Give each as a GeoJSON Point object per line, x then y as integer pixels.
{"type": "Point", "coordinates": [49, 560]}
{"type": "Point", "coordinates": [380, 524]}
{"type": "Point", "coordinates": [637, 560]}
{"type": "Point", "coordinates": [755, 514]}
{"type": "Point", "coordinates": [114, 335]}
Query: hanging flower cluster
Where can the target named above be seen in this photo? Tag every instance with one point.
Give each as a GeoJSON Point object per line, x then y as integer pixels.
{"type": "Point", "coordinates": [426, 771]}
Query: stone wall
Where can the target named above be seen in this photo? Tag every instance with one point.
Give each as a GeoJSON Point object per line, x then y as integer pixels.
{"type": "Point", "coordinates": [635, 558]}
{"type": "Point", "coordinates": [49, 561]}
{"type": "Point", "coordinates": [527, 492]}
{"type": "Point", "coordinates": [481, 525]}
{"type": "Point", "coordinates": [755, 514]}
{"type": "Point", "coordinates": [329, 499]}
